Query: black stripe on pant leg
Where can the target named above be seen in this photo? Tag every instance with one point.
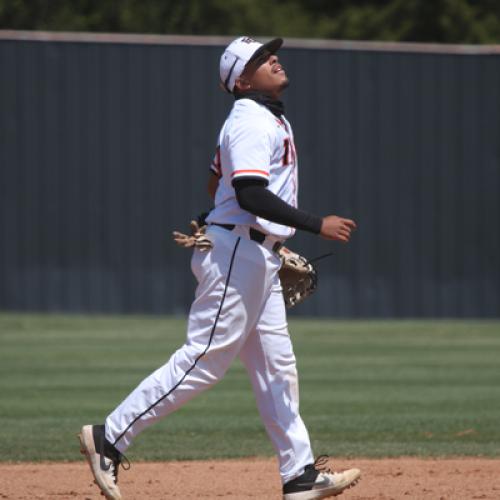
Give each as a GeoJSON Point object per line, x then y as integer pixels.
{"type": "Point", "coordinates": [188, 371]}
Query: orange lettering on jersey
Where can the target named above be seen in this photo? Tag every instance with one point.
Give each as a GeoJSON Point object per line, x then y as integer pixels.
{"type": "Point", "coordinates": [290, 154]}
{"type": "Point", "coordinates": [286, 155]}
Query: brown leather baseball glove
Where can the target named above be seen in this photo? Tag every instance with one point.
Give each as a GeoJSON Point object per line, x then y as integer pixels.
{"type": "Point", "coordinates": [298, 277]}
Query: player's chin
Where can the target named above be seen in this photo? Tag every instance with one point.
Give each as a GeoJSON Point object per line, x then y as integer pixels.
{"type": "Point", "coordinates": [283, 82]}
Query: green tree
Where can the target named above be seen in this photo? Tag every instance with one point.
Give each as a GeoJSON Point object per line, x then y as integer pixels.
{"type": "Point", "coordinates": [451, 21]}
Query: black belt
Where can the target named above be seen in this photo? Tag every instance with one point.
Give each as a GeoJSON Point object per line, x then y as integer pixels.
{"type": "Point", "coordinates": [255, 235]}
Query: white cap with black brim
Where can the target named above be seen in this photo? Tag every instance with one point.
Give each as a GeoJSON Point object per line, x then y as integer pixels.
{"type": "Point", "coordinates": [238, 54]}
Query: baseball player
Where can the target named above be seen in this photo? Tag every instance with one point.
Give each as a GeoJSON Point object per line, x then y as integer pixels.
{"type": "Point", "coordinates": [238, 308]}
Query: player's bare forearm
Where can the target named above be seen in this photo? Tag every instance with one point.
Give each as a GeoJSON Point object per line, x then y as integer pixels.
{"type": "Point", "coordinates": [213, 183]}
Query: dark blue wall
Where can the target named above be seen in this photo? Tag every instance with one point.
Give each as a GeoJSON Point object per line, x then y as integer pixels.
{"type": "Point", "coordinates": [104, 150]}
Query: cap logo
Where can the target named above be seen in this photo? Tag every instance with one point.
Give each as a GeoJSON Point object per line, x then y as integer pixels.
{"type": "Point", "coordinates": [247, 40]}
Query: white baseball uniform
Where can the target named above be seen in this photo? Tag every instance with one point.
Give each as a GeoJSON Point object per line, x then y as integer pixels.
{"type": "Point", "coordinates": [238, 308]}
{"type": "Point", "coordinates": [254, 143]}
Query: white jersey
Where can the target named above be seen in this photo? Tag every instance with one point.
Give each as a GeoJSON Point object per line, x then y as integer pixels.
{"type": "Point", "coordinates": [254, 143]}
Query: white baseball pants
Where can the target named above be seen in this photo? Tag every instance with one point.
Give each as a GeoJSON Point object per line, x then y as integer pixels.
{"type": "Point", "coordinates": [238, 310]}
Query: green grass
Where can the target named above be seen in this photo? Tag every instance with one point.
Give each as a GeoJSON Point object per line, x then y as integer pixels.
{"type": "Point", "coordinates": [368, 388]}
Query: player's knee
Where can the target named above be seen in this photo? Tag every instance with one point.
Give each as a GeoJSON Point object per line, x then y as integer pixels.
{"type": "Point", "coordinates": [214, 367]}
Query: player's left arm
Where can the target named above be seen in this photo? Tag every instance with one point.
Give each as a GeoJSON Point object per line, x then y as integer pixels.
{"type": "Point", "coordinates": [215, 174]}
{"type": "Point", "coordinates": [213, 183]}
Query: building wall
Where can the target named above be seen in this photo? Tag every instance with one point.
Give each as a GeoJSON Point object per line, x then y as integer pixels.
{"type": "Point", "coordinates": [105, 146]}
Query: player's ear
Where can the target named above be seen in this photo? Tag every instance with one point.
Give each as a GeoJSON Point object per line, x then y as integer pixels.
{"type": "Point", "coordinates": [242, 84]}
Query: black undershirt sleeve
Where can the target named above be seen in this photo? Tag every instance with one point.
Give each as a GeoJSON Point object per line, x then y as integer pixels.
{"type": "Point", "coordinates": [253, 197]}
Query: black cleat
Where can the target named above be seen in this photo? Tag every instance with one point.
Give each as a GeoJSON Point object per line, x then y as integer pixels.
{"type": "Point", "coordinates": [317, 483]}
{"type": "Point", "coordinates": [103, 459]}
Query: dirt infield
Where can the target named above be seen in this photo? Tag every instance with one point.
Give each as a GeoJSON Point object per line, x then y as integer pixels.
{"type": "Point", "coordinates": [405, 478]}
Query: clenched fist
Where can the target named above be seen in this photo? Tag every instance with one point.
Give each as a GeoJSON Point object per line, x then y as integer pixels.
{"type": "Point", "coordinates": [337, 228]}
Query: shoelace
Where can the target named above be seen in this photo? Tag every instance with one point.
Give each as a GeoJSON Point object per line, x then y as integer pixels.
{"type": "Point", "coordinates": [321, 464]}
{"type": "Point", "coordinates": [122, 460]}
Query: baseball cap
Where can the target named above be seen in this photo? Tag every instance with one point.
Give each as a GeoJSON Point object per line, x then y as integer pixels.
{"type": "Point", "coordinates": [238, 54]}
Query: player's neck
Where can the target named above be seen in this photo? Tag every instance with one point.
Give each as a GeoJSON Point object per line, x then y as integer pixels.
{"type": "Point", "coordinates": [276, 107]}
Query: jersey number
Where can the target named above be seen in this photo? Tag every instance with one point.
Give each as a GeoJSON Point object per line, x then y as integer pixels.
{"type": "Point", "coordinates": [289, 154]}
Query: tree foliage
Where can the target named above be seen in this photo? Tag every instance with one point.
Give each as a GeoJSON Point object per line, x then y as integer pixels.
{"type": "Point", "coordinates": [444, 21]}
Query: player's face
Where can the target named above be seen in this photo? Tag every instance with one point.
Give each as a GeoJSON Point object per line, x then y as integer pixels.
{"type": "Point", "coordinates": [267, 75]}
